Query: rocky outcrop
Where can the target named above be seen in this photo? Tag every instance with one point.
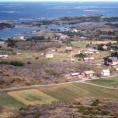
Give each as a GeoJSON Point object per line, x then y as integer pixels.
{"type": "Point", "coordinates": [6, 25]}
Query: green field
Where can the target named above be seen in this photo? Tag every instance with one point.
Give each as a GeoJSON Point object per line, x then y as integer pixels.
{"type": "Point", "coordinates": [72, 92]}
{"type": "Point", "coordinates": [111, 82]}
{"type": "Point", "coordinates": [59, 93]}
{"type": "Point", "coordinates": [32, 96]}
{"type": "Point", "coordinates": [9, 102]}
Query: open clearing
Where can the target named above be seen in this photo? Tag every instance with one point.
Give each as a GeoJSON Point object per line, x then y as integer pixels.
{"type": "Point", "coordinates": [31, 97]}
{"type": "Point", "coordinates": [111, 82]}
{"type": "Point", "coordinates": [45, 95]}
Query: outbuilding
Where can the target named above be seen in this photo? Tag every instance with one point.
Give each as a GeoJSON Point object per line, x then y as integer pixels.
{"type": "Point", "coordinates": [105, 72]}
{"type": "Point", "coordinates": [89, 73]}
{"type": "Point", "coordinates": [49, 55]}
{"type": "Point", "coordinates": [4, 56]}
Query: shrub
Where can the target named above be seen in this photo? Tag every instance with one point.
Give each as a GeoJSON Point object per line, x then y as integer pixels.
{"type": "Point", "coordinates": [37, 58]}
{"type": "Point", "coordinates": [14, 63]}
{"type": "Point", "coordinates": [105, 112]}
{"type": "Point", "coordinates": [4, 62]}
{"type": "Point", "coordinates": [95, 103]}
{"type": "Point", "coordinates": [28, 62]}
{"type": "Point", "coordinates": [80, 56]}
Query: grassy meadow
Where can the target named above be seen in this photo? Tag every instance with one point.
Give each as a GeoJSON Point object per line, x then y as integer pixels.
{"type": "Point", "coordinates": [111, 82]}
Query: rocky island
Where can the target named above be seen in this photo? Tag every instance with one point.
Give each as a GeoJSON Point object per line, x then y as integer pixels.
{"type": "Point", "coordinates": [4, 25]}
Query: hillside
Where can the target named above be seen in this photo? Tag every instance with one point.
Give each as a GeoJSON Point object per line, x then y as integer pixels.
{"type": "Point", "coordinates": [64, 93]}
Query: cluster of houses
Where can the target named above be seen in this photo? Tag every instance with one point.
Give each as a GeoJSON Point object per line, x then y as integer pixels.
{"type": "Point", "coordinates": [19, 38]}
{"type": "Point", "coordinates": [91, 74]}
{"type": "Point", "coordinates": [87, 75]}
{"type": "Point", "coordinates": [112, 61]}
{"type": "Point", "coordinates": [88, 52]}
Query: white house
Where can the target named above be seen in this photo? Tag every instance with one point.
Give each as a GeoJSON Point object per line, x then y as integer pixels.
{"type": "Point", "coordinates": [74, 30]}
{"type": "Point", "coordinates": [4, 56]}
{"type": "Point", "coordinates": [92, 50]}
{"type": "Point", "coordinates": [49, 55]}
{"type": "Point", "coordinates": [75, 74]}
{"type": "Point", "coordinates": [105, 47]}
{"type": "Point", "coordinates": [22, 38]}
{"type": "Point", "coordinates": [89, 58]}
{"type": "Point", "coordinates": [68, 48]}
{"type": "Point", "coordinates": [18, 53]}
{"type": "Point", "coordinates": [42, 54]}
{"type": "Point", "coordinates": [89, 73]}
{"type": "Point", "coordinates": [19, 38]}
{"type": "Point", "coordinates": [105, 72]}
{"type": "Point", "coordinates": [3, 44]}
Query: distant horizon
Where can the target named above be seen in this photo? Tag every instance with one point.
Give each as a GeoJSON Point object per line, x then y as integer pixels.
{"type": "Point", "coordinates": [58, 0]}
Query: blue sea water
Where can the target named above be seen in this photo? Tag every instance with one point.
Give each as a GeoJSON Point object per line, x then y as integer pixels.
{"type": "Point", "coordinates": [18, 11]}
{"type": "Point", "coordinates": [35, 10]}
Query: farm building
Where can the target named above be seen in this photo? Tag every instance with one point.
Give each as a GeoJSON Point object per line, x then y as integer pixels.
{"type": "Point", "coordinates": [104, 47]}
{"type": "Point", "coordinates": [42, 54]}
{"type": "Point", "coordinates": [75, 74]}
{"type": "Point", "coordinates": [68, 49]}
{"type": "Point", "coordinates": [3, 44]}
{"type": "Point", "coordinates": [75, 30]}
{"type": "Point", "coordinates": [4, 56]}
{"type": "Point", "coordinates": [88, 58]}
{"type": "Point", "coordinates": [89, 74]}
{"type": "Point", "coordinates": [91, 51]}
{"type": "Point", "coordinates": [105, 72]}
{"type": "Point", "coordinates": [49, 55]}
{"type": "Point", "coordinates": [21, 38]}
{"type": "Point", "coordinates": [18, 53]}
